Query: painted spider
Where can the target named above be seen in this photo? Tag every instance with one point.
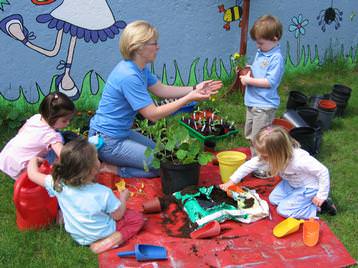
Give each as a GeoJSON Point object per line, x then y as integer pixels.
{"type": "Point", "coordinates": [329, 15]}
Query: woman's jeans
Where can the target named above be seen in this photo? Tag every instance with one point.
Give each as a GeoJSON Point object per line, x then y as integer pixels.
{"type": "Point", "coordinates": [128, 155]}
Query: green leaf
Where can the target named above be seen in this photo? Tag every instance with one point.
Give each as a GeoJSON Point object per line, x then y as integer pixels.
{"type": "Point", "coordinates": [14, 124]}
{"type": "Point", "coordinates": [181, 154]}
{"type": "Point", "coordinates": [148, 152]}
{"type": "Point", "coordinates": [156, 163]}
{"type": "Point", "coordinates": [170, 145]}
{"type": "Point", "coordinates": [13, 115]}
{"type": "Point", "coordinates": [145, 165]}
{"type": "Point", "coordinates": [205, 158]}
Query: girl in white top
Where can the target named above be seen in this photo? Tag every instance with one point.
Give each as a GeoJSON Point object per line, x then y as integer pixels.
{"type": "Point", "coordinates": [305, 181]}
{"type": "Point", "coordinates": [39, 135]}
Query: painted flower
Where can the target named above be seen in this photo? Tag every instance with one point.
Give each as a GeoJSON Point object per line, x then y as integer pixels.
{"type": "Point", "coordinates": [298, 25]}
{"type": "Point", "coordinates": [238, 60]}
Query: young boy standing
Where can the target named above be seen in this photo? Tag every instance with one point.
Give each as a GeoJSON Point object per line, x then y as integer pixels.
{"type": "Point", "coordinates": [261, 95]}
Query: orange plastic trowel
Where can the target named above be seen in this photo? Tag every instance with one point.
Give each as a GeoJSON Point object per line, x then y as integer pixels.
{"type": "Point", "coordinates": [311, 232]}
{"type": "Point", "coordinates": [286, 227]}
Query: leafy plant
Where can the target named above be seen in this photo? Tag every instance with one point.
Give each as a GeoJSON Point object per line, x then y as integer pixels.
{"type": "Point", "coordinates": [173, 144]}
{"type": "Point", "coordinates": [80, 122]}
{"type": "Point", "coordinates": [238, 60]}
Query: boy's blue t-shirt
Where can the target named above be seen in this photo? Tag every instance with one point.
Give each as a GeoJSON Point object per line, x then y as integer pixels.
{"type": "Point", "coordinates": [86, 210]}
{"type": "Point", "coordinates": [125, 92]}
{"type": "Point", "coordinates": [269, 65]}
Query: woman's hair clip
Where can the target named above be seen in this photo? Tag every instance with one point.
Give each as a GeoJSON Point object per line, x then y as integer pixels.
{"type": "Point", "coordinates": [55, 96]}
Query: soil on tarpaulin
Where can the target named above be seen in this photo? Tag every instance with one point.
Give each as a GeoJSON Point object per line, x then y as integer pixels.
{"type": "Point", "coordinates": [176, 222]}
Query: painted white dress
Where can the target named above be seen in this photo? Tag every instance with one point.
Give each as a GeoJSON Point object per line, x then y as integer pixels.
{"type": "Point", "coordinates": [92, 20]}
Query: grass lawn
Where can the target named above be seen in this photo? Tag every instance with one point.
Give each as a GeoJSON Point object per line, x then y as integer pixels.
{"type": "Point", "coordinates": [339, 152]}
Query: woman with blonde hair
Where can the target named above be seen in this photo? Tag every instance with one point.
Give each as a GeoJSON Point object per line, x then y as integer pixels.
{"type": "Point", "coordinates": [305, 181]}
{"type": "Point", "coordinates": [127, 92]}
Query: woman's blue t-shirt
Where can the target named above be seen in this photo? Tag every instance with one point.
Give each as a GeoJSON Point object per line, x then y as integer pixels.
{"type": "Point", "coordinates": [125, 92]}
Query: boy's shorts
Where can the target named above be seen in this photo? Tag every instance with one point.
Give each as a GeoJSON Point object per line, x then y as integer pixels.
{"type": "Point", "coordinates": [257, 118]}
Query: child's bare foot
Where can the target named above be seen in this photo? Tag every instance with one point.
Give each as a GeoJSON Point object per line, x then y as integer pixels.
{"type": "Point", "coordinates": [108, 168]}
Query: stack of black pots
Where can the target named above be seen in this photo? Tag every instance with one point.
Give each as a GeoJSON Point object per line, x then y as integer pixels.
{"type": "Point", "coordinates": [307, 130]}
{"type": "Point", "coordinates": [340, 95]}
{"type": "Point", "coordinates": [310, 117]}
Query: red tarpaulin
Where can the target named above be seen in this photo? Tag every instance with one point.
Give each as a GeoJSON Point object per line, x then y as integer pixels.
{"type": "Point", "coordinates": [238, 244]}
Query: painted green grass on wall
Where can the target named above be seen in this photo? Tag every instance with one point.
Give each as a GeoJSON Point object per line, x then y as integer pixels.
{"type": "Point", "coordinates": [90, 95]}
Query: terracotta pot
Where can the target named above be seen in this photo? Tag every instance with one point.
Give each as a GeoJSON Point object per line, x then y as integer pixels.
{"type": "Point", "coordinates": [327, 105]}
{"type": "Point", "coordinates": [152, 206]}
{"type": "Point", "coordinates": [211, 229]}
{"type": "Point", "coordinates": [237, 82]}
{"type": "Point", "coordinates": [243, 72]}
{"type": "Point", "coordinates": [283, 123]}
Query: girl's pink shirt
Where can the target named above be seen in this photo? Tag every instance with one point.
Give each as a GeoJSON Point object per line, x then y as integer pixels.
{"type": "Point", "coordinates": [33, 139]}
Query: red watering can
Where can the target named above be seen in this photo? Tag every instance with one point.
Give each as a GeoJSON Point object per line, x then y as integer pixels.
{"type": "Point", "coordinates": [34, 207]}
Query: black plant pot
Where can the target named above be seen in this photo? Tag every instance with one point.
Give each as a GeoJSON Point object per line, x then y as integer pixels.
{"type": "Point", "coordinates": [176, 177]}
{"type": "Point", "coordinates": [296, 99]}
{"type": "Point", "coordinates": [308, 114]}
{"type": "Point", "coordinates": [306, 137]}
{"type": "Point", "coordinates": [342, 90]}
{"type": "Point", "coordinates": [342, 98]}
{"type": "Point", "coordinates": [294, 118]}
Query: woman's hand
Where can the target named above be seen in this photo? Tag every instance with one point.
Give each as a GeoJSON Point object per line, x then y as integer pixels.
{"type": "Point", "coordinates": [226, 185]}
{"type": "Point", "coordinates": [317, 201]}
{"type": "Point", "coordinates": [204, 90]}
{"type": "Point", "coordinates": [209, 87]}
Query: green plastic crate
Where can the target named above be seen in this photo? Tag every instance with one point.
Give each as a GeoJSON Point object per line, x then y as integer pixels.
{"type": "Point", "coordinates": [202, 138]}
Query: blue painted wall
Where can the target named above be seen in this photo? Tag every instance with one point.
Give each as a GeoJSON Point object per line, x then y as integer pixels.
{"type": "Point", "coordinates": [188, 30]}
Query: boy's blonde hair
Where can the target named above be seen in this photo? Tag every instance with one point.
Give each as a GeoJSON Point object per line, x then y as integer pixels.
{"type": "Point", "coordinates": [134, 37]}
{"type": "Point", "coordinates": [77, 160]}
{"type": "Point", "coordinates": [277, 145]}
{"type": "Point", "coordinates": [267, 27]}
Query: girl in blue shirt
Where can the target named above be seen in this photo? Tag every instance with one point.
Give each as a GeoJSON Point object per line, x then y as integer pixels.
{"type": "Point", "coordinates": [92, 214]}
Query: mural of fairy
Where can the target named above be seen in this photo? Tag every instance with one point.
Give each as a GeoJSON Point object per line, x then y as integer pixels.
{"type": "Point", "coordinates": [328, 16]}
{"type": "Point", "coordinates": [90, 20]}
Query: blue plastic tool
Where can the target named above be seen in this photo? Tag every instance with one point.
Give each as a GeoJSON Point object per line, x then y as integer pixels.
{"type": "Point", "coordinates": [144, 252]}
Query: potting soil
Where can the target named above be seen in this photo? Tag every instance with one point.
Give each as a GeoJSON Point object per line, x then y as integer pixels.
{"type": "Point", "coordinates": [205, 204]}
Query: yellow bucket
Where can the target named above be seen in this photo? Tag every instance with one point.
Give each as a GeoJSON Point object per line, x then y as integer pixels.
{"type": "Point", "coordinates": [229, 161]}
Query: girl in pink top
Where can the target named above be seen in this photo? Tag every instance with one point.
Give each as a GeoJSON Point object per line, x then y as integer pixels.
{"type": "Point", "coordinates": [38, 135]}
